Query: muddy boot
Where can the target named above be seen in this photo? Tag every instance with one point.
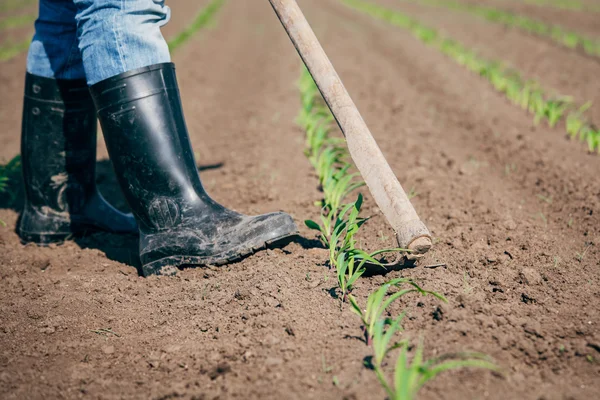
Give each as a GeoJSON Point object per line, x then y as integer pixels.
{"type": "Point", "coordinates": [144, 128]}
{"type": "Point", "coordinates": [58, 154]}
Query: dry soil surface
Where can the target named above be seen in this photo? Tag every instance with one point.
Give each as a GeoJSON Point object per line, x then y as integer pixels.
{"type": "Point", "coordinates": [514, 209]}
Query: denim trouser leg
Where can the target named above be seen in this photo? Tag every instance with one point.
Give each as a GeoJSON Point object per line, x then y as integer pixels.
{"type": "Point", "coordinates": [116, 36]}
{"type": "Point", "coordinates": [54, 50]}
{"type": "Point", "coordinates": [97, 39]}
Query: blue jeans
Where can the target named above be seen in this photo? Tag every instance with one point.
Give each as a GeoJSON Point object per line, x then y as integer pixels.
{"type": "Point", "coordinates": [97, 39]}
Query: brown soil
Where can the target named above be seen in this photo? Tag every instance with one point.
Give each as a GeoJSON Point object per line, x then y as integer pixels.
{"type": "Point", "coordinates": [582, 22]}
{"type": "Point", "coordinates": [555, 67]}
{"type": "Point", "coordinates": [510, 204]}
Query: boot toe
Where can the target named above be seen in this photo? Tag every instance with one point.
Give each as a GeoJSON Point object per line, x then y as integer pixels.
{"type": "Point", "coordinates": [270, 228]}
{"type": "Point", "coordinates": [161, 253]}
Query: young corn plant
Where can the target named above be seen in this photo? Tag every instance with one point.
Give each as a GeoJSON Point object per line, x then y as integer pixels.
{"type": "Point", "coordinates": [379, 301]}
{"type": "Point", "coordinates": [555, 109]}
{"type": "Point", "coordinates": [411, 375]}
{"type": "Point", "coordinates": [348, 261]}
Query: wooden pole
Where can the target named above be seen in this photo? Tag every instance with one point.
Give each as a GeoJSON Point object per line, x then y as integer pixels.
{"type": "Point", "coordinates": [411, 232]}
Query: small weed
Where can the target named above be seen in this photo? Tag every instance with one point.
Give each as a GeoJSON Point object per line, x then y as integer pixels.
{"type": "Point", "coordinates": [412, 193]}
{"type": "Point", "coordinates": [467, 288]}
{"type": "Point", "coordinates": [509, 169]}
{"type": "Point", "coordinates": [590, 358]}
{"type": "Point", "coordinates": [543, 218]}
{"type": "Point", "coordinates": [581, 256]}
{"type": "Point", "coordinates": [546, 199]}
{"type": "Point", "coordinates": [557, 261]}
{"type": "Point", "coordinates": [105, 332]}
{"type": "Point", "coordinates": [324, 368]}
{"type": "Point", "coordinates": [382, 237]}
{"type": "Point", "coordinates": [562, 349]}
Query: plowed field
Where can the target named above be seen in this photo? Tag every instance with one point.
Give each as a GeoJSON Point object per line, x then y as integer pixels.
{"type": "Point", "coordinates": [514, 208]}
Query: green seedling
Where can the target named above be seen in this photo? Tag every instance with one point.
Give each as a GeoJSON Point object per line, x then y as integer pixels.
{"type": "Point", "coordinates": [105, 332]}
{"type": "Point", "coordinates": [555, 109]}
{"type": "Point", "coordinates": [324, 367]}
{"type": "Point", "coordinates": [412, 193]}
{"type": "Point", "coordinates": [348, 261]}
{"type": "Point", "coordinates": [576, 120]}
{"type": "Point", "coordinates": [593, 139]}
{"type": "Point", "coordinates": [377, 304]}
{"type": "Point", "coordinates": [337, 187]}
{"type": "Point", "coordinates": [411, 375]}
{"type": "Point", "coordinates": [581, 256]}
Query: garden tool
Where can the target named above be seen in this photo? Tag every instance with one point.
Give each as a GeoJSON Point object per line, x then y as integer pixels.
{"type": "Point", "coordinates": [411, 232]}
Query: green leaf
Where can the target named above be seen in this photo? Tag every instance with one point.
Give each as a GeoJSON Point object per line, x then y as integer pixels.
{"type": "Point", "coordinates": [312, 225]}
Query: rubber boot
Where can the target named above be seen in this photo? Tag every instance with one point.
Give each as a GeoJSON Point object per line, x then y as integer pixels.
{"type": "Point", "coordinates": [142, 120]}
{"type": "Point", "coordinates": [58, 155]}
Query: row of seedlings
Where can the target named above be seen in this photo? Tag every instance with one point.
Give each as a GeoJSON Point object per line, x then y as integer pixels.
{"type": "Point", "coordinates": [556, 33]}
{"type": "Point", "coordinates": [527, 94]}
{"type": "Point", "coordinates": [573, 5]}
{"type": "Point", "coordinates": [339, 223]}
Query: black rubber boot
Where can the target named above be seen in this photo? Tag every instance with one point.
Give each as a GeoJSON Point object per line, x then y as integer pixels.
{"type": "Point", "coordinates": [147, 139]}
{"type": "Point", "coordinates": [58, 154]}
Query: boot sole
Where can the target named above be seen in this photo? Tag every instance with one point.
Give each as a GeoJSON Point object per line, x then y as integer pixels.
{"type": "Point", "coordinates": [44, 239]}
{"type": "Point", "coordinates": [170, 265]}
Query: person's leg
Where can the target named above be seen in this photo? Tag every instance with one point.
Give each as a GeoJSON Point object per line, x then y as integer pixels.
{"type": "Point", "coordinates": [116, 36]}
{"type": "Point", "coordinates": [147, 139]}
{"type": "Point", "coordinates": [54, 50]}
{"type": "Point", "coordinates": [137, 96]}
{"type": "Point", "coordinates": [58, 138]}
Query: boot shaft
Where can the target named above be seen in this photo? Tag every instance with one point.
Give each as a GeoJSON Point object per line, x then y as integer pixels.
{"type": "Point", "coordinates": [58, 144]}
{"type": "Point", "coordinates": [144, 128]}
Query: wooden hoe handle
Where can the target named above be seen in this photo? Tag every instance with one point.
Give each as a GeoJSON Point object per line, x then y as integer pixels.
{"type": "Point", "coordinates": [411, 232]}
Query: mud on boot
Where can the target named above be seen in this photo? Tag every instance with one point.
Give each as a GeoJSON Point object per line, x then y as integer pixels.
{"type": "Point", "coordinates": [147, 139]}
{"type": "Point", "coordinates": [58, 155]}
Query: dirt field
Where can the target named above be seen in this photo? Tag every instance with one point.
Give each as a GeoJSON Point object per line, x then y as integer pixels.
{"type": "Point", "coordinates": [514, 209]}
